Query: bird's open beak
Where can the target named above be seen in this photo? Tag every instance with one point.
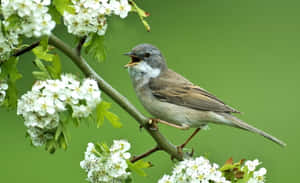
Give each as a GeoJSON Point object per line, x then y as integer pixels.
{"type": "Point", "coordinates": [134, 60]}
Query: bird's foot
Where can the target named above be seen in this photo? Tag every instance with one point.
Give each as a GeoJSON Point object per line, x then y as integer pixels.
{"type": "Point", "coordinates": [181, 127]}
{"type": "Point", "coordinates": [153, 124]}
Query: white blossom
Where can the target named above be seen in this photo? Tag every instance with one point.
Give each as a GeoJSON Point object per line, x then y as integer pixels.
{"type": "Point", "coordinates": [121, 7]}
{"type": "Point", "coordinates": [198, 170]}
{"type": "Point", "coordinates": [90, 15]}
{"type": "Point", "coordinates": [3, 88]}
{"type": "Point", "coordinates": [34, 19]}
{"type": "Point", "coordinates": [42, 106]}
{"type": "Point", "coordinates": [31, 19]}
{"type": "Point", "coordinates": [7, 43]}
{"type": "Point", "coordinates": [108, 166]}
{"type": "Point", "coordinates": [251, 165]}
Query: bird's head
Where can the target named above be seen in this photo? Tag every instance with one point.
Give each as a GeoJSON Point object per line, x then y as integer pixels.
{"type": "Point", "coordinates": [146, 60]}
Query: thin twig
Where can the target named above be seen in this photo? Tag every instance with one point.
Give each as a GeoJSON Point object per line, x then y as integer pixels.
{"type": "Point", "coordinates": [80, 44]}
{"type": "Point", "coordinates": [190, 138]}
{"type": "Point", "coordinates": [162, 142]}
{"type": "Point", "coordinates": [26, 49]}
{"type": "Point", "coordinates": [136, 158]}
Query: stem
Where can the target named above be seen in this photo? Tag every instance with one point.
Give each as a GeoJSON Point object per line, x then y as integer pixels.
{"type": "Point", "coordinates": [136, 158]}
{"type": "Point", "coordinates": [26, 49]}
{"type": "Point", "coordinates": [190, 138]}
{"type": "Point", "coordinates": [161, 141]}
{"type": "Point", "coordinates": [80, 44]}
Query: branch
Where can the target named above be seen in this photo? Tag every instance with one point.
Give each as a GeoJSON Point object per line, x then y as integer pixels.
{"type": "Point", "coordinates": [80, 44]}
{"type": "Point", "coordinates": [26, 49]}
{"type": "Point", "coordinates": [136, 158]}
{"type": "Point", "coordinates": [161, 141]}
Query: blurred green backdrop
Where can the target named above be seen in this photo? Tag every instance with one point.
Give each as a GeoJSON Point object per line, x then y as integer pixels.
{"type": "Point", "coordinates": [245, 52]}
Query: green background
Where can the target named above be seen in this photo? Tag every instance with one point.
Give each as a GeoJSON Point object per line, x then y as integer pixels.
{"type": "Point", "coordinates": [245, 52]}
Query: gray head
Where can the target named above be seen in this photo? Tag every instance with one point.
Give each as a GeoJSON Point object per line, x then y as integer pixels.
{"type": "Point", "coordinates": [147, 55]}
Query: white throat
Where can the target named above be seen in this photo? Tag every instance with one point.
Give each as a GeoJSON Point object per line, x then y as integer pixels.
{"type": "Point", "coordinates": [142, 73]}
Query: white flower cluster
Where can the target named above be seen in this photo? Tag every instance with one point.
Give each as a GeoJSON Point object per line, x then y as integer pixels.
{"type": "Point", "coordinates": [7, 43]}
{"type": "Point", "coordinates": [259, 175]}
{"type": "Point", "coordinates": [3, 88]}
{"type": "Point", "coordinates": [41, 107]}
{"type": "Point", "coordinates": [90, 15]}
{"type": "Point", "coordinates": [107, 166]}
{"type": "Point", "coordinates": [35, 21]}
{"type": "Point", "coordinates": [198, 170]}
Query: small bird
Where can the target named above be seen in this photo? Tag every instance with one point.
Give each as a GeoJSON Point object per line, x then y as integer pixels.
{"type": "Point", "coordinates": [174, 100]}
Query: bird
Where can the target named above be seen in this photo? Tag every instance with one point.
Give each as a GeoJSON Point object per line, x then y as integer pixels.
{"type": "Point", "coordinates": [174, 100]}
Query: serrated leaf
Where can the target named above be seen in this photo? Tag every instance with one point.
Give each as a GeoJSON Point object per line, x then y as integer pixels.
{"type": "Point", "coordinates": [94, 46]}
{"type": "Point", "coordinates": [44, 42]}
{"type": "Point", "coordinates": [142, 164]}
{"type": "Point", "coordinates": [229, 161]}
{"type": "Point", "coordinates": [135, 169]}
{"type": "Point", "coordinates": [100, 114]}
{"type": "Point", "coordinates": [113, 119]}
{"type": "Point", "coordinates": [226, 167]}
{"type": "Point", "coordinates": [55, 69]}
{"type": "Point", "coordinates": [11, 74]}
{"type": "Point", "coordinates": [102, 111]}
{"type": "Point", "coordinates": [41, 53]}
{"type": "Point", "coordinates": [40, 65]}
{"type": "Point", "coordinates": [61, 5]}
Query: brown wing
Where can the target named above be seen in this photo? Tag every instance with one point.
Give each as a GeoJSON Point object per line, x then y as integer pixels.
{"type": "Point", "coordinates": [173, 88]}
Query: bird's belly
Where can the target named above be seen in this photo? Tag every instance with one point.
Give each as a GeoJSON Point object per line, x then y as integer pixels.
{"type": "Point", "coordinates": [175, 114]}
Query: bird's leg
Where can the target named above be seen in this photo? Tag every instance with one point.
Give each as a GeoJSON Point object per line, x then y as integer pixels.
{"type": "Point", "coordinates": [189, 139]}
{"type": "Point", "coordinates": [154, 121]}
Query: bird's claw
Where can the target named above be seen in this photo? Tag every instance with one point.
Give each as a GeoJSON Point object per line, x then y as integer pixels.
{"type": "Point", "coordinates": [153, 124]}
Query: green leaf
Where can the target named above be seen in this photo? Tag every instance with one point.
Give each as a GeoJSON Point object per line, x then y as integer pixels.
{"type": "Point", "coordinates": [113, 119]}
{"type": "Point", "coordinates": [38, 75]}
{"type": "Point", "coordinates": [100, 114]}
{"type": "Point", "coordinates": [51, 146]}
{"type": "Point", "coordinates": [102, 111]}
{"type": "Point", "coordinates": [54, 69]}
{"type": "Point", "coordinates": [40, 65]}
{"type": "Point", "coordinates": [136, 169]}
{"type": "Point", "coordinates": [142, 164]}
{"type": "Point", "coordinates": [58, 132]}
{"type": "Point", "coordinates": [129, 179]}
{"type": "Point", "coordinates": [41, 53]}
{"type": "Point", "coordinates": [94, 46]}
{"type": "Point", "coordinates": [61, 5]}
{"type": "Point", "coordinates": [66, 134]}
{"type": "Point", "coordinates": [11, 74]}
{"type": "Point", "coordinates": [54, 14]}
{"type": "Point", "coordinates": [14, 21]}
{"type": "Point", "coordinates": [44, 42]}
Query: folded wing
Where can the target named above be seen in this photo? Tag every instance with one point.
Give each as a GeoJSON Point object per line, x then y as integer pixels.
{"type": "Point", "coordinates": [173, 88]}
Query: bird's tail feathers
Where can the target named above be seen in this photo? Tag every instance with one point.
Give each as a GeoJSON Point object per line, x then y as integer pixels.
{"type": "Point", "coordinates": [242, 125]}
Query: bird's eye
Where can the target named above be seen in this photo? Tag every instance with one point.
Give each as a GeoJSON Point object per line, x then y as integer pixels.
{"type": "Point", "coordinates": [147, 55]}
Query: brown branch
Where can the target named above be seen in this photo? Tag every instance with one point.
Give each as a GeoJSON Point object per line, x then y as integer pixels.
{"type": "Point", "coordinates": [162, 142]}
{"type": "Point", "coordinates": [80, 44]}
{"type": "Point", "coordinates": [26, 49]}
{"type": "Point", "coordinates": [136, 158]}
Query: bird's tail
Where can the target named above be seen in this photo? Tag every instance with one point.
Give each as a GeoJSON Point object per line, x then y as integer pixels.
{"type": "Point", "coordinates": [242, 125]}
